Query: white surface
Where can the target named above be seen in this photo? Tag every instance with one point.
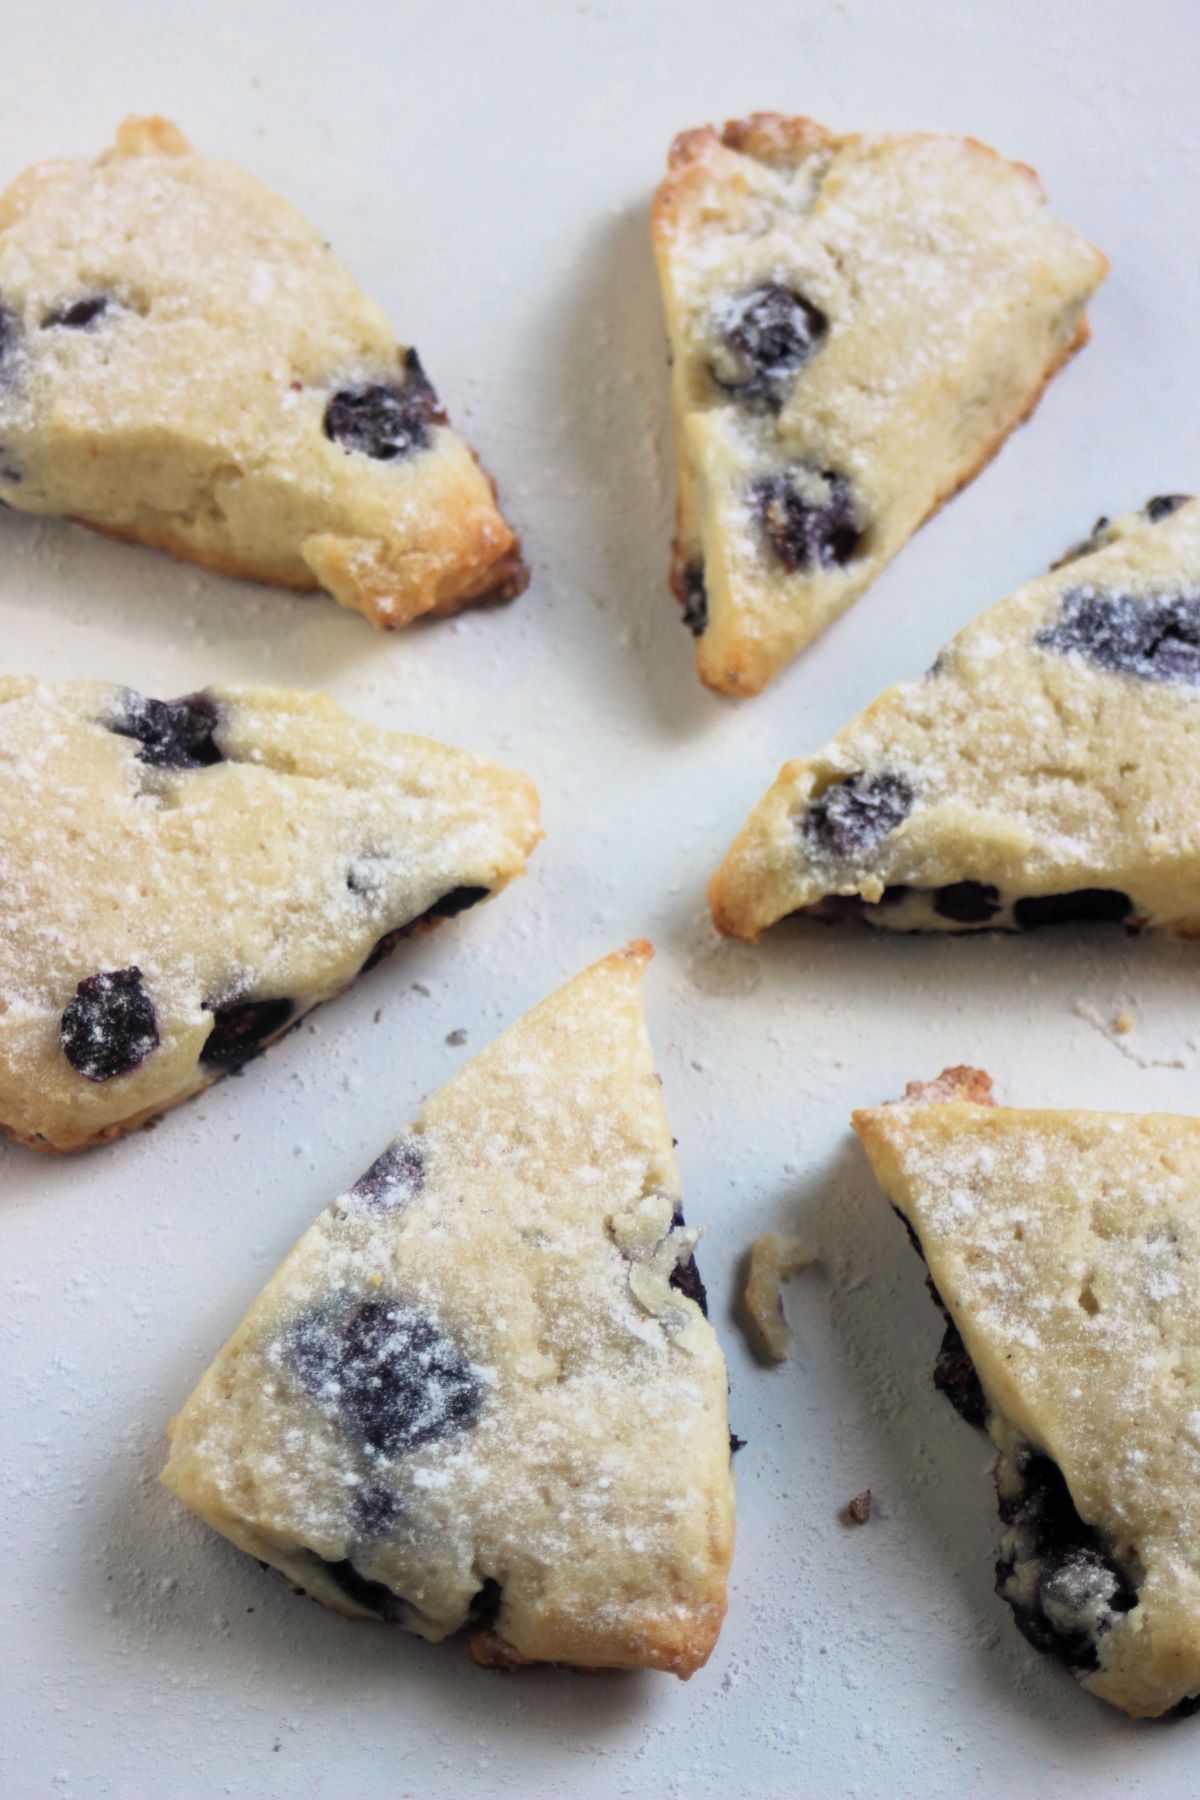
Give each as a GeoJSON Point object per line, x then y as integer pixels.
{"type": "Point", "coordinates": [485, 171]}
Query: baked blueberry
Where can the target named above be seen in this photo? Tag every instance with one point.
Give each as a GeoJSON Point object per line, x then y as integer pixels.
{"type": "Point", "coordinates": [385, 1370]}
{"type": "Point", "coordinates": [766, 335]}
{"type": "Point", "coordinates": [10, 330]}
{"type": "Point", "coordinates": [241, 1029]}
{"type": "Point", "coordinates": [856, 814]}
{"type": "Point", "coordinates": [374, 1510]}
{"type": "Point", "coordinates": [695, 599]}
{"type": "Point", "coordinates": [1059, 1576]}
{"type": "Point", "coordinates": [808, 517]}
{"type": "Point", "coordinates": [448, 907]}
{"type": "Point", "coordinates": [1154, 639]}
{"type": "Point", "coordinates": [485, 1606]}
{"type": "Point", "coordinates": [955, 1376]}
{"type": "Point", "coordinates": [385, 420]}
{"type": "Point", "coordinates": [685, 1276]}
{"type": "Point", "coordinates": [1068, 909]}
{"type": "Point", "coordinates": [967, 902]}
{"type": "Point", "coordinates": [372, 1596]}
{"type": "Point", "coordinates": [174, 734]}
{"type": "Point", "coordinates": [1163, 505]}
{"type": "Point", "coordinates": [78, 315]}
{"type": "Point", "coordinates": [392, 1178]}
{"type": "Point", "coordinates": [110, 1026]}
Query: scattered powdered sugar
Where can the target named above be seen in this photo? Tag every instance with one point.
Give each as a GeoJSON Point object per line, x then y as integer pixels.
{"type": "Point", "coordinates": [483, 1372]}
{"type": "Point", "coordinates": [268, 875]}
{"type": "Point", "coordinates": [1067, 1247]}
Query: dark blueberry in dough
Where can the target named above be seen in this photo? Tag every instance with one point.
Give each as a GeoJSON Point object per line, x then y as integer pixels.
{"type": "Point", "coordinates": [448, 907]}
{"type": "Point", "coordinates": [1096, 539]}
{"type": "Point", "coordinates": [174, 734]}
{"type": "Point", "coordinates": [392, 1178]}
{"type": "Point", "coordinates": [458, 900]}
{"type": "Point", "coordinates": [1057, 1573]}
{"type": "Point", "coordinates": [77, 315]}
{"type": "Point", "coordinates": [1066, 909]}
{"type": "Point", "coordinates": [1155, 639]}
{"type": "Point", "coordinates": [685, 1276]}
{"type": "Point", "coordinates": [954, 1375]}
{"type": "Point", "coordinates": [10, 330]}
{"type": "Point", "coordinates": [954, 1372]}
{"type": "Point", "coordinates": [372, 1596]}
{"type": "Point", "coordinates": [736, 1443]}
{"type": "Point", "coordinates": [485, 1604]}
{"type": "Point", "coordinates": [110, 1026]}
{"type": "Point", "coordinates": [241, 1029]}
{"type": "Point", "coordinates": [967, 902]}
{"type": "Point", "coordinates": [838, 909]}
{"type": "Point", "coordinates": [1163, 505]}
{"type": "Point", "coordinates": [808, 518]}
{"type": "Point", "coordinates": [856, 814]}
{"type": "Point", "coordinates": [768, 334]}
{"type": "Point", "coordinates": [1182, 1709]}
{"type": "Point", "coordinates": [385, 420]}
{"type": "Point", "coordinates": [375, 1509]}
{"type": "Point", "coordinates": [386, 1372]}
{"type": "Point", "coordinates": [695, 599]}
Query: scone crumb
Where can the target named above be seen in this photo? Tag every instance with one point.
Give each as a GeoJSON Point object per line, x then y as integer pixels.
{"type": "Point", "coordinates": [959, 1083]}
{"type": "Point", "coordinates": [858, 1510]}
{"type": "Point", "coordinates": [1124, 1022]}
{"type": "Point", "coordinates": [773, 1260]}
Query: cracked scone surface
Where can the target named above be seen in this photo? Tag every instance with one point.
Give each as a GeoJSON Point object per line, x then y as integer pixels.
{"type": "Point", "coordinates": [856, 323]}
{"type": "Point", "coordinates": [1047, 768]}
{"type": "Point", "coordinates": [1065, 1248]}
{"type": "Point", "coordinates": [184, 363]}
{"type": "Point", "coordinates": [478, 1392]}
{"type": "Point", "coordinates": [180, 881]}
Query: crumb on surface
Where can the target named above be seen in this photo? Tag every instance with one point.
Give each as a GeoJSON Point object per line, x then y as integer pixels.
{"type": "Point", "coordinates": [858, 1510]}
{"type": "Point", "coordinates": [773, 1260]}
{"type": "Point", "coordinates": [1124, 1021]}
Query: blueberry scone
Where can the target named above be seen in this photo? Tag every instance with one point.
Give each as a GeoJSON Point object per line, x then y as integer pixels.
{"type": "Point", "coordinates": [482, 1392]}
{"type": "Point", "coordinates": [183, 363]}
{"type": "Point", "coordinates": [856, 323]}
{"type": "Point", "coordinates": [182, 880]}
{"type": "Point", "coordinates": [1047, 767]}
{"type": "Point", "coordinates": [1064, 1250]}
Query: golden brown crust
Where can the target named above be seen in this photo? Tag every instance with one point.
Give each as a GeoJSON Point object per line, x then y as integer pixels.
{"type": "Point", "coordinates": [673, 1647]}
{"type": "Point", "coordinates": [501, 579]}
{"type": "Point", "coordinates": [202, 558]}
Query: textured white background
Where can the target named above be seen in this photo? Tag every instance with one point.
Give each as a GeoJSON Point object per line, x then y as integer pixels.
{"type": "Point", "coordinates": [485, 170]}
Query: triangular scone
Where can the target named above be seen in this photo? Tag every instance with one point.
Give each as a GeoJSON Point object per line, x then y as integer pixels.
{"type": "Point", "coordinates": [180, 881]}
{"type": "Point", "coordinates": [184, 363]}
{"type": "Point", "coordinates": [1046, 768]}
{"type": "Point", "coordinates": [479, 1392]}
{"type": "Point", "coordinates": [1064, 1248]}
{"type": "Point", "coordinates": [856, 324]}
